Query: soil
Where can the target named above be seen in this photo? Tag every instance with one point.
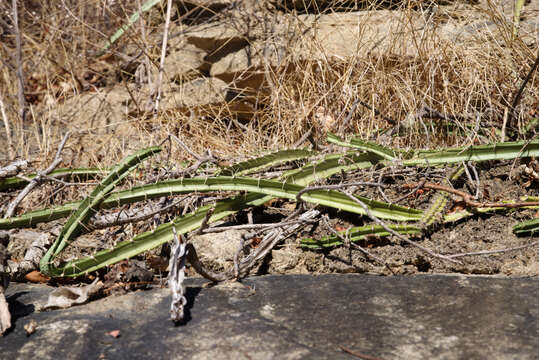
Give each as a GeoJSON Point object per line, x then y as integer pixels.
{"type": "Point", "coordinates": [482, 232]}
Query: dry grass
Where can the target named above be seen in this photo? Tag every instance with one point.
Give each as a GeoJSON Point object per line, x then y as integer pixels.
{"type": "Point", "coordinates": [472, 83]}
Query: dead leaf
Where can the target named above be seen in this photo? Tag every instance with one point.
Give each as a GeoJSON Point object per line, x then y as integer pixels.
{"type": "Point", "coordinates": [67, 296]}
{"type": "Point", "coordinates": [36, 277]}
{"type": "Point", "coordinates": [113, 333]}
{"type": "Point", "coordinates": [255, 241]}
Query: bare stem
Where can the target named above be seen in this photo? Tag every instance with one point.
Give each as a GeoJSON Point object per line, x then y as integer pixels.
{"type": "Point", "coordinates": [468, 199]}
{"type": "Point", "coordinates": [8, 129]}
{"type": "Point", "coordinates": [36, 180]}
{"type": "Point", "coordinates": [18, 59]}
{"type": "Point", "coordinates": [491, 252]}
{"type": "Point", "coordinates": [163, 55]}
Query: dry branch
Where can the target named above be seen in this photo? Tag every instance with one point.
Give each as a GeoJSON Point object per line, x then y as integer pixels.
{"type": "Point", "coordinates": [105, 221]}
{"type": "Point", "coordinates": [468, 199]}
{"type": "Point", "coordinates": [13, 169]}
{"type": "Point", "coordinates": [492, 252]}
{"type": "Point", "coordinates": [36, 180]}
{"type": "Point", "coordinates": [163, 55]}
{"type": "Point", "coordinates": [8, 129]}
{"type": "Point", "coordinates": [18, 58]}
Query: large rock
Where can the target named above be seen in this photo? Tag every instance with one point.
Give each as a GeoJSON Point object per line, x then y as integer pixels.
{"type": "Point", "coordinates": [183, 62]}
{"type": "Point", "coordinates": [291, 317]}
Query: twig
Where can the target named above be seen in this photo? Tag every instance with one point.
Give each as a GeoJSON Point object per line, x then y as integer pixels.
{"type": "Point", "coordinates": [470, 179]}
{"type": "Point", "coordinates": [18, 58]}
{"type": "Point", "coordinates": [391, 231]}
{"type": "Point", "coordinates": [490, 252]}
{"type": "Point", "coordinates": [13, 169]}
{"type": "Point", "coordinates": [379, 188]}
{"type": "Point", "coordinates": [56, 180]}
{"type": "Point", "coordinates": [478, 185]}
{"type": "Point", "coordinates": [207, 158]}
{"type": "Point", "coordinates": [145, 42]}
{"type": "Point", "coordinates": [105, 221]}
{"type": "Point", "coordinates": [336, 187]}
{"type": "Point", "coordinates": [32, 184]}
{"type": "Point", "coordinates": [303, 138]}
{"type": "Point", "coordinates": [356, 246]}
{"type": "Point", "coordinates": [467, 198]}
{"type": "Point", "coordinates": [419, 185]}
{"type": "Point", "coordinates": [8, 130]}
{"type": "Point", "coordinates": [204, 224]}
{"type": "Point", "coordinates": [163, 55]}
{"type": "Point", "coordinates": [430, 113]}
{"type": "Point", "coordinates": [185, 147]}
{"type": "Point", "coordinates": [518, 96]}
{"type": "Point", "coordinates": [344, 124]}
{"type": "Point", "coordinates": [251, 226]}
{"type": "Point", "coordinates": [272, 238]}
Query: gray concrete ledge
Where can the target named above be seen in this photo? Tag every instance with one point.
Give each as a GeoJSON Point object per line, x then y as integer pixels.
{"type": "Point", "coordinates": [291, 317]}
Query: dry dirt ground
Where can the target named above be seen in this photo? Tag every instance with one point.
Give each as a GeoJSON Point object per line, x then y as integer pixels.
{"type": "Point", "coordinates": [245, 78]}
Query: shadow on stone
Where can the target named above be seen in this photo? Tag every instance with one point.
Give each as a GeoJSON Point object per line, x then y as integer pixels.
{"type": "Point", "coordinates": [190, 294]}
{"type": "Point", "coordinates": [18, 309]}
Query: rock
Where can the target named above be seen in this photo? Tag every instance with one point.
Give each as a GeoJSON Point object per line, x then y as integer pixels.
{"type": "Point", "coordinates": [291, 317]}
{"type": "Point", "coordinates": [183, 62]}
{"type": "Point", "coordinates": [286, 259]}
{"type": "Point", "coordinates": [194, 93]}
{"type": "Point", "coordinates": [216, 250]}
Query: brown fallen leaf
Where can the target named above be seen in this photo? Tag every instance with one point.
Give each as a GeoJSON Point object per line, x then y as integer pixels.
{"type": "Point", "coordinates": [36, 277]}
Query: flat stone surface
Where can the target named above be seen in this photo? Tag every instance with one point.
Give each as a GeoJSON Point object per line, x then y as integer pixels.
{"type": "Point", "coordinates": [291, 317]}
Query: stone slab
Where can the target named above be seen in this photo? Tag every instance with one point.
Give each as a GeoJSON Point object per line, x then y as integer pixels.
{"type": "Point", "coordinates": [291, 317]}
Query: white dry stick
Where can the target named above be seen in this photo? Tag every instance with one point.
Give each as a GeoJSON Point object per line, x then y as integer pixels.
{"type": "Point", "coordinates": [18, 58]}
{"type": "Point", "coordinates": [32, 184]}
{"type": "Point", "coordinates": [272, 238]}
{"type": "Point", "coordinates": [13, 169]}
{"type": "Point", "coordinates": [145, 42]}
{"type": "Point", "coordinates": [176, 277]}
{"type": "Point", "coordinates": [163, 54]}
{"type": "Point", "coordinates": [8, 130]}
